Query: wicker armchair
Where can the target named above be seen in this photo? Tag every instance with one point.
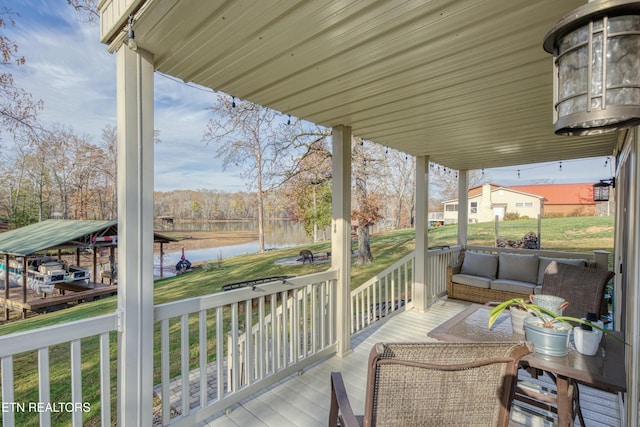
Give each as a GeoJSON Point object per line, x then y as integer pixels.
{"type": "Point", "coordinates": [583, 287]}
{"type": "Point", "coordinates": [434, 384]}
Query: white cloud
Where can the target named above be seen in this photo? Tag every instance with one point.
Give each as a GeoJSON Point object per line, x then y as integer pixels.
{"type": "Point", "coordinates": [72, 72]}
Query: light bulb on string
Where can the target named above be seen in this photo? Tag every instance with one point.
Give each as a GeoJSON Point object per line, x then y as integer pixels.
{"type": "Point", "coordinates": [560, 166]}
{"type": "Point", "coordinates": [131, 43]}
{"type": "Point", "coordinates": [233, 102]}
{"type": "Point", "coordinates": [606, 162]}
{"type": "Point", "coordinates": [289, 119]}
{"type": "Point", "coordinates": [518, 173]}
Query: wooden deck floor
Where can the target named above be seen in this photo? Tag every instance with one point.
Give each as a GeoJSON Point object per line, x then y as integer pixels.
{"type": "Point", "coordinates": [65, 293]}
{"type": "Point", "coordinates": [303, 400]}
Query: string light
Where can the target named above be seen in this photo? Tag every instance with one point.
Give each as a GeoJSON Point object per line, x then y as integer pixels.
{"type": "Point", "coordinates": [386, 151]}
{"type": "Point", "coordinates": [518, 173]}
{"type": "Point", "coordinates": [543, 165]}
{"type": "Point", "coordinates": [606, 162]}
{"type": "Point", "coordinates": [233, 102]}
{"type": "Point", "coordinates": [131, 43]}
{"type": "Point", "coordinates": [289, 119]}
{"type": "Point", "coordinates": [482, 171]}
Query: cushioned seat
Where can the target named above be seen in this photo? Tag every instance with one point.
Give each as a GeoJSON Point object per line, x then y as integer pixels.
{"type": "Point", "coordinates": [475, 281]}
{"type": "Point", "coordinates": [525, 288]}
{"type": "Point", "coordinates": [479, 264]}
{"type": "Point", "coordinates": [487, 277]}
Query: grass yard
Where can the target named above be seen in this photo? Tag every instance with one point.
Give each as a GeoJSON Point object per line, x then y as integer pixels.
{"type": "Point", "coordinates": [582, 234]}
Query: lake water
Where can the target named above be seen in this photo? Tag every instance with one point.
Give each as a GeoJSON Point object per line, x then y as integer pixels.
{"type": "Point", "coordinates": [278, 234]}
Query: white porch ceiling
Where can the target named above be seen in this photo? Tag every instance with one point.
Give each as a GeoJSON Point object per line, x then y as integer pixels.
{"type": "Point", "coordinates": [465, 82]}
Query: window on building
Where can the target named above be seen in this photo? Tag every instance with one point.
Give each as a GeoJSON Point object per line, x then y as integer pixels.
{"type": "Point", "coordinates": [474, 207]}
{"type": "Point", "coordinates": [524, 204]}
{"type": "Point", "coordinates": [451, 208]}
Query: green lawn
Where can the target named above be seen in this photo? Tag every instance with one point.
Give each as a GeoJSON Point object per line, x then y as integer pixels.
{"type": "Point", "coordinates": [564, 234]}
{"type": "Point", "coordinates": [580, 234]}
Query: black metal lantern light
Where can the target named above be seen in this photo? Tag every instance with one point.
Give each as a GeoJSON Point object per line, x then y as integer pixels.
{"type": "Point", "coordinates": [601, 190]}
{"type": "Point", "coordinates": [596, 52]}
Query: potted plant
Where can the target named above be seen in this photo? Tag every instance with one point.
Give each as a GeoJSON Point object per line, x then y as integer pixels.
{"type": "Point", "coordinates": [547, 328]}
{"type": "Point", "coordinates": [520, 310]}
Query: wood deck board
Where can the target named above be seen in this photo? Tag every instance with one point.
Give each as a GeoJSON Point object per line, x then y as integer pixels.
{"type": "Point", "coordinates": [37, 303]}
{"type": "Point", "coordinates": [312, 389]}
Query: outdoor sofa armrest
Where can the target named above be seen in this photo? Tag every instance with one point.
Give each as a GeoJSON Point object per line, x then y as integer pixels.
{"type": "Point", "coordinates": [456, 268]}
{"type": "Point", "coordinates": [340, 409]}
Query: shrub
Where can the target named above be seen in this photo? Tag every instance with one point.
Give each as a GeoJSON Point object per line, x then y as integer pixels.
{"type": "Point", "coordinates": [511, 216]}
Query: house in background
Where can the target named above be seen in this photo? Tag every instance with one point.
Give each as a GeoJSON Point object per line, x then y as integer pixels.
{"type": "Point", "coordinates": [564, 199]}
{"type": "Point", "coordinates": [489, 200]}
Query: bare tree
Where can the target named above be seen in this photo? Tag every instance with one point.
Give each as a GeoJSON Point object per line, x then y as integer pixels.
{"type": "Point", "coordinates": [444, 184]}
{"type": "Point", "coordinates": [398, 182]}
{"type": "Point", "coordinates": [87, 8]}
{"type": "Point", "coordinates": [249, 136]}
{"type": "Point", "coordinates": [18, 110]}
{"type": "Point", "coordinates": [367, 211]}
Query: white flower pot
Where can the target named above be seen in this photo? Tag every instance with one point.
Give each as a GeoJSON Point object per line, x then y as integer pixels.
{"type": "Point", "coordinates": [586, 342]}
{"type": "Point", "coordinates": [517, 319]}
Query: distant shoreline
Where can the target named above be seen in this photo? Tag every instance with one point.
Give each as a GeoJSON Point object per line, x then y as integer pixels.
{"type": "Point", "coordinates": [190, 239]}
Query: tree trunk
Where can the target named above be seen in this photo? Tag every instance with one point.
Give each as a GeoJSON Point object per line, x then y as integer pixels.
{"type": "Point", "coordinates": [364, 246]}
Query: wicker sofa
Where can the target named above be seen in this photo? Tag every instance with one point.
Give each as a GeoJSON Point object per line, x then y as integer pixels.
{"type": "Point", "coordinates": [484, 277]}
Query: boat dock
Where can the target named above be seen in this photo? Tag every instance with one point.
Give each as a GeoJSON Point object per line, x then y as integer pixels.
{"type": "Point", "coordinates": [66, 294]}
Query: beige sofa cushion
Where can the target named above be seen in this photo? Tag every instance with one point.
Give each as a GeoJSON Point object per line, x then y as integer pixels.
{"type": "Point", "coordinates": [519, 267]}
{"type": "Point", "coordinates": [475, 281]}
{"type": "Point", "coordinates": [479, 264]}
{"type": "Point", "coordinates": [524, 288]}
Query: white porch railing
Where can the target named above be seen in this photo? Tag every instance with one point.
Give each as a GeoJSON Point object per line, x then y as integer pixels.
{"type": "Point", "coordinates": [437, 262]}
{"type": "Point", "coordinates": [391, 290]}
{"type": "Point", "coordinates": [198, 381]}
{"type": "Point", "coordinates": [202, 344]}
{"type": "Point", "coordinates": [20, 351]}
{"type": "Point", "coordinates": [385, 294]}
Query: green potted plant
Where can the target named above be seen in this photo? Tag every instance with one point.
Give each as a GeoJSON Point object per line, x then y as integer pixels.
{"type": "Point", "coordinates": [548, 329]}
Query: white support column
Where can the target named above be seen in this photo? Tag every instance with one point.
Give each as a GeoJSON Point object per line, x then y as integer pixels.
{"type": "Point", "coordinates": [341, 233]}
{"type": "Point", "coordinates": [463, 207]}
{"type": "Point", "coordinates": [135, 236]}
{"type": "Point", "coordinates": [632, 297]}
{"type": "Point", "coordinates": [421, 296]}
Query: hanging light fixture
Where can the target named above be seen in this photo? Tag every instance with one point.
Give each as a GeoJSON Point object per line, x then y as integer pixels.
{"type": "Point", "coordinates": [601, 190]}
{"type": "Point", "coordinates": [596, 51]}
{"type": "Point", "coordinates": [131, 43]}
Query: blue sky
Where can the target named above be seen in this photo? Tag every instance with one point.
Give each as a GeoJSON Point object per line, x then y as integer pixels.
{"type": "Point", "coordinates": [71, 71]}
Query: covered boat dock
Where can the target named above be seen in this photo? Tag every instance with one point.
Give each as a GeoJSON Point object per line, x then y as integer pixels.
{"type": "Point", "coordinates": [23, 249]}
